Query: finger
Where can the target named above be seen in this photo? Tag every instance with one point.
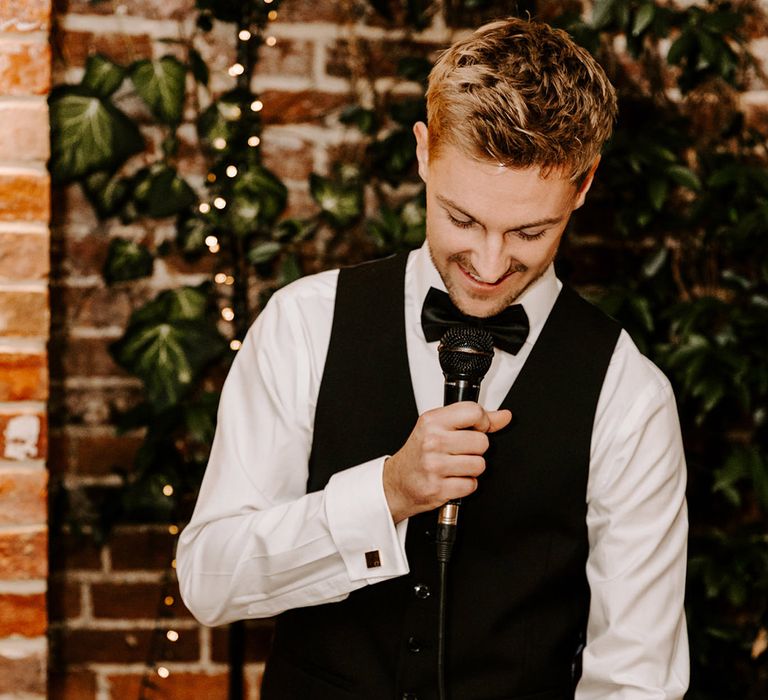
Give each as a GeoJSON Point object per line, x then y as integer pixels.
{"type": "Point", "coordinates": [464, 414]}
{"type": "Point", "coordinates": [465, 442]}
{"type": "Point", "coordinates": [498, 419]}
{"type": "Point", "coordinates": [458, 487]}
{"type": "Point", "coordinates": [463, 466]}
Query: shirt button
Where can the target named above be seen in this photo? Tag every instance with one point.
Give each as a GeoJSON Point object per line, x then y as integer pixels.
{"type": "Point", "coordinates": [414, 645]}
{"type": "Point", "coordinates": [421, 591]}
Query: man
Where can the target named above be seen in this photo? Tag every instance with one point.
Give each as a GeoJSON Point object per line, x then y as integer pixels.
{"type": "Point", "coordinates": [333, 449]}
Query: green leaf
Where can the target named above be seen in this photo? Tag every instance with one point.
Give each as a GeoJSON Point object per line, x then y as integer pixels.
{"type": "Point", "coordinates": [643, 18]}
{"type": "Point", "coordinates": [602, 13]}
{"type": "Point", "coordinates": [160, 84]}
{"type": "Point", "coordinates": [343, 203]}
{"type": "Point", "coordinates": [127, 260]}
{"type": "Point", "coordinates": [106, 193]}
{"type": "Point", "coordinates": [258, 198]}
{"type": "Point", "coordinates": [88, 134]}
{"type": "Point", "coordinates": [414, 68]}
{"type": "Point", "coordinates": [652, 266]}
{"type": "Point", "coordinates": [198, 67]}
{"type": "Point", "coordinates": [290, 271]}
{"type": "Point", "coordinates": [167, 343]}
{"type": "Point", "coordinates": [684, 176]}
{"type": "Point", "coordinates": [191, 232]}
{"type": "Point", "coordinates": [264, 252]}
{"type": "Point", "coordinates": [657, 192]}
{"type": "Point", "coordinates": [102, 75]}
{"type": "Point", "coordinates": [365, 120]}
{"type": "Point", "coordinates": [161, 192]}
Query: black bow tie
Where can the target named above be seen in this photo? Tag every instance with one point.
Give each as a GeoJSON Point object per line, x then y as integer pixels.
{"type": "Point", "coordinates": [509, 328]}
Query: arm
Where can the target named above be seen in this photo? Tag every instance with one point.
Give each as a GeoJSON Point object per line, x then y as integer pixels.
{"type": "Point", "coordinates": [637, 647]}
{"type": "Point", "coordinates": [257, 543]}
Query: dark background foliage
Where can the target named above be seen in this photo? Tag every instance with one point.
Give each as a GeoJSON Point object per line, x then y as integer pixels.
{"type": "Point", "coordinates": [681, 200]}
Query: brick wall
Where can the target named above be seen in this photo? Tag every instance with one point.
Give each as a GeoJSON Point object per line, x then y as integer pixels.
{"type": "Point", "coordinates": [24, 319]}
{"type": "Point", "coordinates": [104, 598]}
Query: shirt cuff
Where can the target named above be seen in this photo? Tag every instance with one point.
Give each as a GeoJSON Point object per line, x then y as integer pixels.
{"type": "Point", "coordinates": [361, 526]}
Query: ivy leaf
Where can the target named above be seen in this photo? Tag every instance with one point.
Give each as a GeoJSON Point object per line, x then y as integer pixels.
{"type": "Point", "coordinates": [167, 343]}
{"type": "Point", "coordinates": [198, 67]}
{"type": "Point", "coordinates": [657, 191]}
{"type": "Point", "coordinates": [290, 270]}
{"type": "Point", "coordinates": [258, 199]}
{"type": "Point", "coordinates": [106, 192]}
{"type": "Point", "coordinates": [341, 202]}
{"type": "Point", "coordinates": [394, 155]}
{"type": "Point", "coordinates": [684, 176]}
{"type": "Point", "coordinates": [191, 232]}
{"type": "Point", "coordinates": [102, 75]}
{"type": "Point", "coordinates": [602, 13]}
{"type": "Point", "coordinates": [414, 68]}
{"type": "Point", "coordinates": [160, 84]}
{"type": "Point", "coordinates": [127, 260]}
{"type": "Point", "coordinates": [88, 134]}
{"type": "Point", "coordinates": [643, 18]}
{"type": "Point", "coordinates": [161, 192]}
{"type": "Point", "coordinates": [364, 119]}
{"type": "Point", "coordinates": [264, 252]}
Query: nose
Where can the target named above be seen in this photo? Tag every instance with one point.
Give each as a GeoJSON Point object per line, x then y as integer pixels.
{"type": "Point", "coordinates": [491, 261]}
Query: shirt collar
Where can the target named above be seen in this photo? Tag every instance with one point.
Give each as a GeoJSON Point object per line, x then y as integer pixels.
{"type": "Point", "coordinates": [537, 300]}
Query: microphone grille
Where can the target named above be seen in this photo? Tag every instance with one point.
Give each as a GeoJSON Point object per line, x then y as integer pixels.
{"type": "Point", "coordinates": [466, 351]}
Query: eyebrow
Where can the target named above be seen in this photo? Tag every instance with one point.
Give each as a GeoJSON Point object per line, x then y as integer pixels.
{"type": "Point", "coordinates": [533, 224]}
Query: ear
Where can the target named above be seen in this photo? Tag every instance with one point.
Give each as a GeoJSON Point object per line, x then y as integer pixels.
{"type": "Point", "coordinates": [586, 183]}
{"type": "Point", "coordinates": [421, 133]}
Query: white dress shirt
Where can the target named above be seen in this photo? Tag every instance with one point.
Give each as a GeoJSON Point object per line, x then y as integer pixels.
{"type": "Point", "coordinates": [258, 544]}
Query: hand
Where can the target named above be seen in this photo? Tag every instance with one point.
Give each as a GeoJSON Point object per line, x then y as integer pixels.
{"type": "Point", "coordinates": [441, 459]}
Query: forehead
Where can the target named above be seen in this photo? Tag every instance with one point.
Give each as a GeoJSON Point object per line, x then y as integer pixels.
{"type": "Point", "coordinates": [482, 186]}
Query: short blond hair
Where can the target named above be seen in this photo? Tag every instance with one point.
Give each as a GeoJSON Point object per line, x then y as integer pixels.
{"type": "Point", "coordinates": [522, 94]}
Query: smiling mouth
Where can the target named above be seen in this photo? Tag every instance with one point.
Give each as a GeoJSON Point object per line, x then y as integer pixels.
{"type": "Point", "coordinates": [482, 283]}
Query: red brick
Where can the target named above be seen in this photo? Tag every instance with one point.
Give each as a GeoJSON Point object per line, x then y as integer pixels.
{"type": "Point", "coordinates": [289, 157]}
{"type": "Point", "coordinates": [24, 131]}
{"type": "Point", "coordinates": [97, 306]}
{"type": "Point", "coordinates": [70, 206]}
{"type": "Point", "coordinates": [151, 9]}
{"type": "Point", "coordinates": [79, 646]}
{"type": "Point", "coordinates": [286, 57]}
{"type": "Point", "coordinates": [71, 684]}
{"type": "Point", "coordinates": [24, 196]}
{"type": "Point", "coordinates": [312, 11]}
{"type": "Point", "coordinates": [23, 496]}
{"type": "Point", "coordinates": [258, 641]}
{"type": "Point", "coordinates": [92, 454]}
{"type": "Point", "coordinates": [23, 555]}
{"type": "Point", "coordinates": [23, 256]}
{"type": "Point", "coordinates": [24, 314]}
{"type": "Point", "coordinates": [22, 673]}
{"type": "Point", "coordinates": [303, 106]}
{"type": "Point", "coordinates": [134, 549]}
{"type": "Point", "coordinates": [23, 377]}
{"type": "Point", "coordinates": [136, 601]}
{"type": "Point", "coordinates": [71, 552]}
{"type": "Point", "coordinates": [92, 406]}
{"type": "Point", "coordinates": [25, 15]}
{"type": "Point", "coordinates": [22, 436]}
{"type": "Point", "coordinates": [372, 58]}
{"type": "Point", "coordinates": [22, 614]}
{"type": "Point", "coordinates": [75, 46]}
{"type": "Point", "coordinates": [178, 686]}
{"type": "Point", "coordinates": [25, 67]}
{"type": "Point", "coordinates": [83, 357]}
{"type": "Point", "coordinates": [64, 598]}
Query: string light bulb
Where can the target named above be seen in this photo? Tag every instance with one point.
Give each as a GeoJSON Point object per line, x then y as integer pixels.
{"type": "Point", "coordinates": [230, 280]}
{"type": "Point", "coordinates": [244, 34]}
{"type": "Point", "coordinates": [253, 141]}
{"type": "Point", "coordinates": [214, 248]}
{"type": "Point", "coordinates": [219, 202]}
{"type": "Point", "coordinates": [172, 635]}
{"type": "Point", "coordinates": [163, 672]}
{"type": "Point", "coordinates": [236, 69]}
{"type": "Point", "coordinates": [168, 600]}
{"type": "Point", "coordinates": [235, 345]}
{"type": "Point", "coordinates": [211, 177]}
{"type": "Point", "coordinates": [270, 41]}
{"type": "Point", "coordinates": [204, 208]}
{"type": "Point", "coordinates": [257, 106]}
{"type": "Point", "coordinates": [227, 314]}
{"type": "Point", "coordinates": [173, 529]}
{"type": "Point", "coordinates": [272, 16]}
{"type": "Point", "coordinates": [219, 143]}
{"type": "Point", "coordinates": [220, 278]}
{"type": "Point", "coordinates": [168, 490]}
{"type": "Point", "coordinates": [173, 563]}
{"type": "Point", "coordinates": [211, 241]}
{"type": "Point", "coordinates": [231, 171]}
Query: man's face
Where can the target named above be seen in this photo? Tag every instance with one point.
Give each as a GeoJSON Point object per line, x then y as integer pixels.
{"type": "Point", "coordinates": [491, 230]}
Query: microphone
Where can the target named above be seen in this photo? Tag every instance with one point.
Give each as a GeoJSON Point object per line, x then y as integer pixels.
{"type": "Point", "coordinates": [465, 354]}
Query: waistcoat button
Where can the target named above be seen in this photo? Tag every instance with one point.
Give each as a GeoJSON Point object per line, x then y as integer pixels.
{"type": "Point", "coordinates": [414, 645]}
{"type": "Point", "coordinates": [421, 591]}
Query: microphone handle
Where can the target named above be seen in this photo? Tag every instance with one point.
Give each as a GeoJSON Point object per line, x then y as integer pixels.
{"type": "Point", "coordinates": [457, 388]}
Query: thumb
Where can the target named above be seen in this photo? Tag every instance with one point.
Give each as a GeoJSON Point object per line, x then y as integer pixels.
{"type": "Point", "coordinates": [499, 419]}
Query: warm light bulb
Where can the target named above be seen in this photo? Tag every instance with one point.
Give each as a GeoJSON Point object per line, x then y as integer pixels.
{"type": "Point", "coordinates": [211, 241]}
{"type": "Point", "coordinates": [230, 280]}
{"type": "Point", "coordinates": [267, 2]}
{"type": "Point", "coordinates": [219, 202]}
{"type": "Point", "coordinates": [211, 177]}
{"type": "Point", "coordinates": [204, 208]}
{"type": "Point", "coordinates": [214, 248]}
{"type": "Point", "coordinates": [173, 563]}
{"type": "Point", "coordinates": [227, 314]}
{"type": "Point", "coordinates": [257, 105]}
{"type": "Point", "coordinates": [236, 69]}
{"type": "Point", "coordinates": [219, 143]}
{"type": "Point", "coordinates": [254, 140]}
{"type": "Point", "coordinates": [168, 600]}
{"type": "Point", "coordinates": [163, 672]}
{"type": "Point", "coordinates": [172, 635]}
{"type": "Point", "coordinates": [231, 171]}
{"type": "Point", "coordinates": [270, 41]}
{"type": "Point", "coordinates": [272, 15]}
{"type": "Point", "coordinates": [235, 345]}
{"type": "Point", "coordinates": [220, 278]}
{"type": "Point", "coordinates": [244, 35]}
{"type": "Point", "coordinates": [173, 529]}
{"type": "Point", "coordinates": [168, 490]}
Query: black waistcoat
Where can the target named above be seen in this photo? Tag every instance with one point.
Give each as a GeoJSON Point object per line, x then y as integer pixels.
{"type": "Point", "coordinates": [518, 595]}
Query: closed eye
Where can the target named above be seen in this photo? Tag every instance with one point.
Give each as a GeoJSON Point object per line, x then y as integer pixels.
{"type": "Point", "coordinates": [461, 223]}
{"type": "Point", "coordinates": [530, 236]}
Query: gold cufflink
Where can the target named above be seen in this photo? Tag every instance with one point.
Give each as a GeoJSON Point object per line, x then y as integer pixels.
{"type": "Point", "coordinates": [372, 559]}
